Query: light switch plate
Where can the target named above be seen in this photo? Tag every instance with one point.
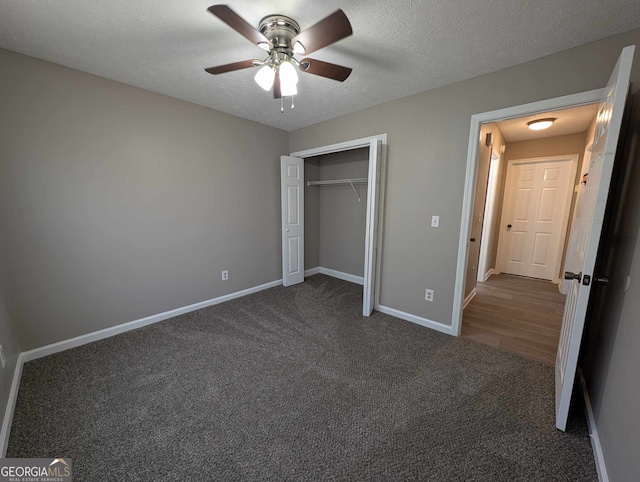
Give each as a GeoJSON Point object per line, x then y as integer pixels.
{"type": "Point", "coordinates": [435, 221]}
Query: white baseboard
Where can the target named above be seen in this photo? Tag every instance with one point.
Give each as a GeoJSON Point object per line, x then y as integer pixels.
{"type": "Point", "coordinates": [343, 276]}
{"type": "Point", "coordinates": [311, 272]}
{"type": "Point", "coordinates": [488, 274]}
{"type": "Point", "coordinates": [468, 299]}
{"type": "Point", "coordinates": [563, 287]}
{"type": "Point", "coordinates": [335, 274]}
{"type": "Point", "coordinates": [434, 325]}
{"type": "Point", "coordinates": [133, 325]}
{"type": "Point", "coordinates": [593, 432]}
{"type": "Point", "coordinates": [11, 405]}
{"type": "Point", "coordinates": [99, 335]}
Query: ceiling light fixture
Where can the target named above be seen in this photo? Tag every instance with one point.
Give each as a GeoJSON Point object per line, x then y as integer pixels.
{"type": "Point", "coordinates": [540, 124]}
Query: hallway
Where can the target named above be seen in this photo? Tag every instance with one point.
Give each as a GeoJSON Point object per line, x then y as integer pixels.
{"type": "Point", "coordinates": [520, 315]}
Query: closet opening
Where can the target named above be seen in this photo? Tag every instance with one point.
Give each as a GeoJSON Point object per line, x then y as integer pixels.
{"type": "Point", "coordinates": [331, 222]}
{"type": "Point", "coordinates": [335, 214]}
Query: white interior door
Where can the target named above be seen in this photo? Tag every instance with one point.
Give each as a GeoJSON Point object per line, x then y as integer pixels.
{"type": "Point", "coordinates": [603, 153]}
{"type": "Point", "coordinates": [488, 218]}
{"type": "Point", "coordinates": [535, 215]}
{"type": "Point", "coordinates": [292, 195]}
{"type": "Point", "coordinates": [371, 238]}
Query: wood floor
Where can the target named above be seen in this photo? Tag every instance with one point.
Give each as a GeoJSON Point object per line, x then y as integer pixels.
{"type": "Point", "coordinates": [516, 314]}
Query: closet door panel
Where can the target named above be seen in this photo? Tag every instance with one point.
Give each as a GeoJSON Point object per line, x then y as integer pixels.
{"type": "Point", "coordinates": [292, 196]}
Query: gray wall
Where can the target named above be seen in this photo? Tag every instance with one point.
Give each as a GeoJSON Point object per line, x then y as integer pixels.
{"type": "Point", "coordinates": [118, 203]}
{"type": "Point", "coordinates": [335, 221]}
{"type": "Point", "coordinates": [342, 216]}
{"type": "Point", "coordinates": [428, 135]}
{"type": "Point", "coordinates": [548, 146]}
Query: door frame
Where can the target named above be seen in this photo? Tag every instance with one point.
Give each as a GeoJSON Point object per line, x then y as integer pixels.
{"type": "Point", "coordinates": [573, 158]}
{"type": "Point", "coordinates": [557, 103]}
{"type": "Point", "coordinates": [377, 202]}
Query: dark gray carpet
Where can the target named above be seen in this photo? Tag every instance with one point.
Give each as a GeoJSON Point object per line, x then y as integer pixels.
{"type": "Point", "coordinates": [293, 384]}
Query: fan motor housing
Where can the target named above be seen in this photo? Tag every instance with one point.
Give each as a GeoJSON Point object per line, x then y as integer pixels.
{"type": "Point", "coordinates": [279, 29]}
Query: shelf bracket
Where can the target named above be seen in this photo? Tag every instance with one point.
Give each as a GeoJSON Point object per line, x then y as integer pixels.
{"type": "Point", "coordinates": [354, 189]}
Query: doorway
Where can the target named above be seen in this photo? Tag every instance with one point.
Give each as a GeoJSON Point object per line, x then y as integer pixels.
{"type": "Point", "coordinates": [523, 218]}
{"type": "Point", "coordinates": [485, 177]}
{"type": "Point", "coordinates": [293, 187]}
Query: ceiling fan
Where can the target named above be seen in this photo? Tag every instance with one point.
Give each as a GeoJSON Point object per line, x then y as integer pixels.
{"type": "Point", "coordinates": [281, 37]}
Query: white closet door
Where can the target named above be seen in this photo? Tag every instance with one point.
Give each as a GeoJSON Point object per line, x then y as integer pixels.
{"type": "Point", "coordinates": [371, 239]}
{"type": "Point", "coordinates": [292, 194]}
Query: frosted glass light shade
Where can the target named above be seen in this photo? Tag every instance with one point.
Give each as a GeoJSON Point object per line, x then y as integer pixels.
{"type": "Point", "coordinates": [264, 77]}
{"type": "Point", "coordinates": [288, 79]}
{"type": "Point", "coordinates": [288, 90]}
{"type": "Point", "coordinates": [540, 124]}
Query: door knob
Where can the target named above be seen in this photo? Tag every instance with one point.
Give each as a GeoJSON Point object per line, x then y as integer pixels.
{"type": "Point", "coordinates": [287, 230]}
{"type": "Point", "coordinates": [602, 281]}
{"type": "Point", "coordinates": [569, 275]}
{"type": "Point", "coordinates": [473, 240]}
{"type": "Point", "coordinates": [508, 226]}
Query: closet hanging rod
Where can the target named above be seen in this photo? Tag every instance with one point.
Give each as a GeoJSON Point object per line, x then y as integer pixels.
{"type": "Point", "coordinates": [341, 181]}
{"type": "Point", "coordinates": [338, 181]}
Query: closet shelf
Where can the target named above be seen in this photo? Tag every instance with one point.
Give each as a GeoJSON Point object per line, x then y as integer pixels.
{"type": "Point", "coordinates": [341, 181]}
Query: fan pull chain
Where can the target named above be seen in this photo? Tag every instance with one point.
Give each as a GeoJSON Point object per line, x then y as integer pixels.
{"type": "Point", "coordinates": [282, 104]}
{"type": "Point", "coordinates": [292, 106]}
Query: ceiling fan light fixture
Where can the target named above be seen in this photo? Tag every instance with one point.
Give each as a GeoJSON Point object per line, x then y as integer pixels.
{"type": "Point", "coordinates": [288, 79]}
{"type": "Point", "coordinates": [280, 36]}
{"type": "Point", "coordinates": [541, 124]}
{"type": "Point", "coordinates": [265, 76]}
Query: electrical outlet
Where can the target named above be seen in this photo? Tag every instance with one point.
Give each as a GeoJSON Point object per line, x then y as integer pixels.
{"type": "Point", "coordinates": [225, 275]}
{"type": "Point", "coordinates": [2, 360]}
{"type": "Point", "coordinates": [435, 221]}
{"type": "Point", "coordinates": [428, 295]}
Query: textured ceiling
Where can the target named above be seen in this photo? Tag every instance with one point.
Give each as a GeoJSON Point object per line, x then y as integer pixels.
{"type": "Point", "coordinates": [398, 48]}
{"type": "Point", "coordinates": [568, 121]}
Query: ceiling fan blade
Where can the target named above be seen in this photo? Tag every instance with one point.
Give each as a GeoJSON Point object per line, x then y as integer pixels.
{"type": "Point", "coordinates": [277, 93]}
{"type": "Point", "coordinates": [327, 31]}
{"type": "Point", "coordinates": [239, 24]}
{"type": "Point", "coordinates": [325, 69]}
{"type": "Point", "coordinates": [221, 69]}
